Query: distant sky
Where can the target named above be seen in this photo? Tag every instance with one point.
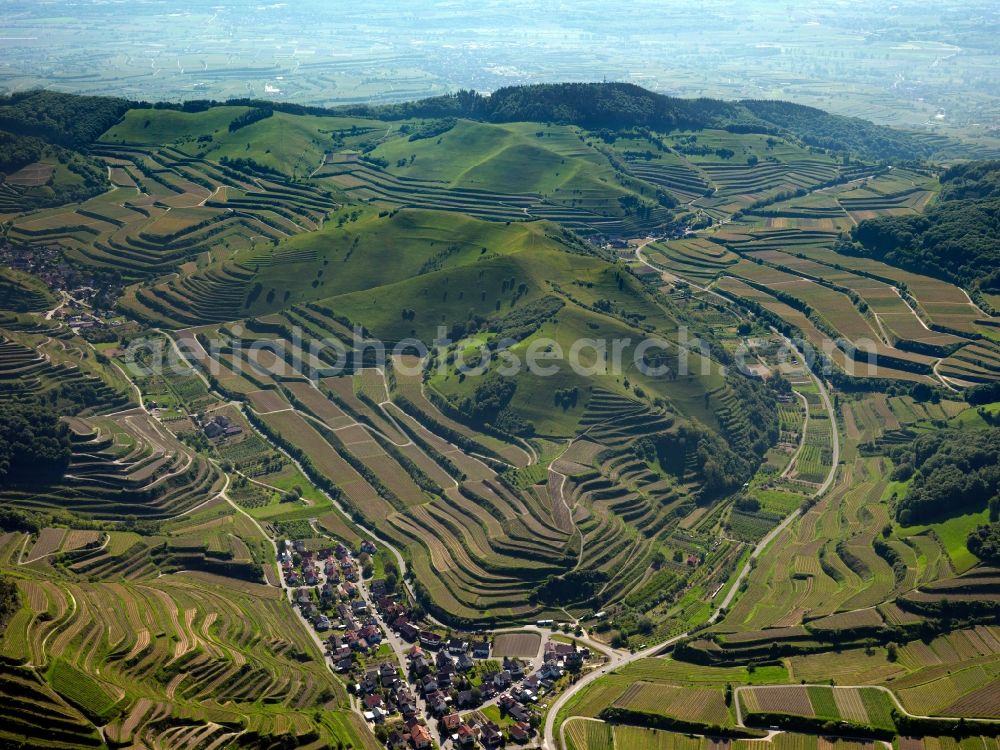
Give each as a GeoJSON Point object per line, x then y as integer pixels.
{"type": "Point", "coordinates": [912, 62]}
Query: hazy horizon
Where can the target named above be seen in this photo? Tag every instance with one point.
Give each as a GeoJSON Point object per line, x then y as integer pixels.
{"type": "Point", "coordinates": [902, 64]}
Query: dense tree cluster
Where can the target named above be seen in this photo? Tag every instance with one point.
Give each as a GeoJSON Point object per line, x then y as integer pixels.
{"type": "Point", "coordinates": [8, 601]}
{"type": "Point", "coordinates": [617, 106]}
{"type": "Point", "coordinates": [65, 119]}
{"type": "Point", "coordinates": [34, 444]}
{"type": "Point", "coordinates": [976, 180]}
{"type": "Point", "coordinates": [575, 586]}
{"type": "Point", "coordinates": [16, 519]}
{"type": "Point", "coordinates": [16, 151]}
{"type": "Point", "coordinates": [984, 393]}
{"type": "Point", "coordinates": [838, 133]}
{"type": "Point", "coordinates": [955, 239]}
{"type": "Point", "coordinates": [489, 405]}
{"type": "Point", "coordinates": [758, 402]}
{"type": "Point", "coordinates": [607, 105]}
{"type": "Point", "coordinates": [566, 398]}
{"type": "Point", "coordinates": [524, 320]}
{"type": "Point", "coordinates": [250, 117]}
{"type": "Point", "coordinates": [491, 394]}
{"type": "Point", "coordinates": [592, 105]}
{"type": "Point", "coordinates": [951, 474]}
{"type": "Point", "coordinates": [722, 469]}
{"type": "Point", "coordinates": [719, 467]}
{"type": "Point", "coordinates": [984, 543]}
{"type": "Point", "coordinates": [431, 129]}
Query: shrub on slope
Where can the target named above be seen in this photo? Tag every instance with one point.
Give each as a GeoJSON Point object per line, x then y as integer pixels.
{"type": "Point", "coordinates": [984, 543]}
{"type": "Point", "coordinates": [8, 601]}
{"type": "Point", "coordinates": [951, 474]}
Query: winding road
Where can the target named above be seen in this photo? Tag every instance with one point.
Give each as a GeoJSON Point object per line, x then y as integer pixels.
{"type": "Point", "coordinates": [400, 562]}
{"type": "Point", "coordinates": [615, 658]}
{"type": "Point", "coordinates": [619, 659]}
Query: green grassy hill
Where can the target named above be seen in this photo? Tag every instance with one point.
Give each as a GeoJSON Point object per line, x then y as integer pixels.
{"type": "Point", "coordinates": [514, 158]}
{"type": "Point", "coordinates": [158, 127]}
{"type": "Point", "coordinates": [367, 250]}
{"type": "Point", "coordinates": [536, 398]}
{"type": "Point", "coordinates": [624, 105]}
{"type": "Point", "coordinates": [569, 224]}
{"type": "Point", "coordinates": [415, 273]}
{"type": "Point", "coordinates": [294, 145]}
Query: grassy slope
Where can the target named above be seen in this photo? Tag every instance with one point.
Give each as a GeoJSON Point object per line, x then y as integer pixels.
{"type": "Point", "coordinates": [158, 127]}
{"type": "Point", "coordinates": [376, 251]}
{"type": "Point", "coordinates": [746, 145]}
{"type": "Point", "coordinates": [369, 270]}
{"type": "Point", "coordinates": [953, 532]}
{"type": "Point", "coordinates": [508, 158]}
{"type": "Point", "coordinates": [292, 144]}
{"type": "Point", "coordinates": [592, 280]}
{"type": "Point", "coordinates": [534, 397]}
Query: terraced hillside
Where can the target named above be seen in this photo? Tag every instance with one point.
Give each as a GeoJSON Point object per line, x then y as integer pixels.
{"type": "Point", "coordinates": [198, 197]}
{"type": "Point", "coordinates": [166, 208]}
{"type": "Point", "coordinates": [20, 292]}
{"type": "Point", "coordinates": [367, 181]}
{"type": "Point", "coordinates": [869, 319]}
{"type": "Point", "coordinates": [901, 621]}
{"type": "Point", "coordinates": [345, 295]}
{"type": "Point", "coordinates": [472, 506]}
{"type": "Point", "coordinates": [474, 540]}
{"type": "Point", "coordinates": [184, 660]}
{"type": "Point", "coordinates": [608, 489]}
{"type": "Point", "coordinates": [58, 368]}
{"type": "Point", "coordinates": [124, 465]}
{"type": "Point", "coordinates": [374, 484]}
{"type": "Point", "coordinates": [472, 509]}
{"type": "Point", "coordinates": [363, 250]}
{"type": "Point", "coordinates": [493, 257]}
{"type": "Point", "coordinates": [507, 172]}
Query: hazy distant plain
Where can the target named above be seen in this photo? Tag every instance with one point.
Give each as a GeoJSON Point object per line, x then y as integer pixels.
{"type": "Point", "coordinates": [911, 63]}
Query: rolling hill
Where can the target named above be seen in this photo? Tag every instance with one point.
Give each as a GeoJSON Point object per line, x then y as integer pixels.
{"type": "Point", "coordinates": [572, 352]}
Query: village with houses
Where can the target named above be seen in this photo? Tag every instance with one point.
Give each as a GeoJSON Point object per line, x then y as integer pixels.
{"type": "Point", "coordinates": [88, 297]}
{"type": "Point", "coordinates": [419, 684]}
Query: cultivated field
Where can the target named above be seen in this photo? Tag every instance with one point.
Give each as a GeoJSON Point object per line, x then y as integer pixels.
{"type": "Point", "coordinates": [524, 645]}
